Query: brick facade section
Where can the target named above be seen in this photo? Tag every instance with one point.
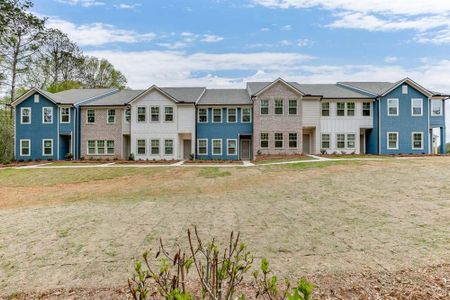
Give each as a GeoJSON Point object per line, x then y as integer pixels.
{"type": "Point", "coordinates": [101, 130]}
{"type": "Point", "coordinates": [272, 123]}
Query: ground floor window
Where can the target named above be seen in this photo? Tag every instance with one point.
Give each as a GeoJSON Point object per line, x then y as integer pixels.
{"type": "Point", "coordinates": [417, 140]}
{"type": "Point", "coordinates": [110, 147]}
{"type": "Point", "coordinates": [340, 141]}
{"type": "Point", "coordinates": [278, 140]}
{"type": "Point", "coordinates": [216, 147]}
{"type": "Point", "coordinates": [168, 147]}
{"type": "Point", "coordinates": [325, 141]}
{"type": "Point", "coordinates": [231, 147]}
{"type": "Point", "coordinates": [264, 140]}
{"type": "Point", "coordinates": [392, 140]}
{"type": "Point", "coordinates": [25, 146]}
{"type": "Point", "coordinates": [100, 147]}
{"type": "Point", "coordinates": [202, 146]}
{"type": "Point", "coordinates": [141, 147]}
{"type": "Point", "coordinates": [91, 147]}
{"type": "Point", "coordinates": [154, 147]}
{"type": "Point", "coordinates": [47, 147]}
{"type": "Point", "coordinates": [292, 140]}
{"type": "Point", "coordinates": [351, 141]}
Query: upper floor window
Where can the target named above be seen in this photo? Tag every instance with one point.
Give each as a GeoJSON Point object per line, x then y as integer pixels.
{"type": "Point", "coordinates": [279, 106]}
{"type": "Point", "coordinates": [217, 115]}
{"type": "Point", "coordinates": [128, 114]}
{"type": "Point", "coordinates": [168, 113]}
{"type": "Point", "coordinates": [392, 140]}
{"type": "Point", "coordinates": [417, 107]}
{"type": "Point", "coordinates": [325, 141]}
{"type": "Point", "coordinates": [264, 107]}
{"type": "Point", "coordinates": [436, 107]}
{"type": "Point", "coordinates": [90, 116]}
{"type": "Point", "coordinates": [36, 98]}
{"type": "Point", "coordinates": [141, 114]}
{"type": "Point", "coordinates": [366, 109]}
{"type": "Point", "coordinates": [231, 115]}
{"type": "Point", "coordinates": [292, 107]}
{"type": "Point", "coordinates": [25, 115]}
{"type": "Point", "coordinates": [246, 115]}
{"type": "Point", "coordinates": [350, 109]}
{"type": "Point", "coordinates": [278, 140]}
{"type": "Point", "coordinates": [417, 140]}
{"type": "Point", "coordinates": [47, 115]}
{"type": "Point", "coordinates": [154, 112]}
{"type": "Point", "coordinates": [404, 89]}
{"type": "Point", "coordinates": [264, 140]}
{"type": "Point", "coordinates": [203, 115]}
{"type": "Point", "coordinates": [340, 109]}
{"type": "Point", "coordinates": [325, 109]}
{"type": "Point", "coordinates": [392, 106]}
{"type": "Point", "coordinates": [111, 116]}
{"type": "Point", "coordinates": [64, 115]}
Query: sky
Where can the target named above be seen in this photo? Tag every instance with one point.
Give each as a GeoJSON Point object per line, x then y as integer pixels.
{"type": "Point", "coordinates": [225, 43]}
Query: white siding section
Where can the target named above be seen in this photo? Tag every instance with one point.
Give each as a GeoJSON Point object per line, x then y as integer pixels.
{"type": "Point", "coordinates": [311, 113]}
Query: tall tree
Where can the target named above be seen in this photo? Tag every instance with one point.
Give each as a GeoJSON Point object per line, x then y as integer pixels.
{"type": "Point", "coordinates": [100, 73]}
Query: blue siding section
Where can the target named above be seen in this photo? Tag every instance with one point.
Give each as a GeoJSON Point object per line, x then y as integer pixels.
{"type": "Point", "coordinates": [372, 135]}
{"type": "Point", "coordinates": [438, 121]}
{"type": "Point", "coordinates": [222, 131]}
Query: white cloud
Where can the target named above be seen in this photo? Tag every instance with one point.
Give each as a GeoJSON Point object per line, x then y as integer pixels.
{"type": "Point", "coordinates": [390, 59]}
{"type": "Point", "coordinates": [211, 38]}
{"type": "Point", "coordinates": [286, 28]}
{"type": "Point", "coordinates": [84, 3]}
{"type": "Point", "coordinates": [127, 6]}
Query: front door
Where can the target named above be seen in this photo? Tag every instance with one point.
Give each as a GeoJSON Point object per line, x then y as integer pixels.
{"type": "Point", "coordinates": [362, 144]}
{"type": "Point", "coordinates": [187, 149]}
{"type": "Point", "coordinates": [306, 146]}
{"type": "Point", "coordinates": [245, 150]}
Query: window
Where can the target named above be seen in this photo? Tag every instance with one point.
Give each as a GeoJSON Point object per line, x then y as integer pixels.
{"type": "Point", "coordinates": [110, 147]}
{"type": "Point", "coordinates": [168, 114]}
{"type": "Point", "coordinates": [404, 89]}
{"type": "Point", "coordinates": [417, 140]}
{"type": "Point", "coordinates": [154, 112]}
{"type": "Point", "coordinates": [392, 107]}
{"type": "Point", "coordinates": [264, 107]}
{"type": "Point", "coordinates": [292, 140]}
{"type": "Point", "coordinates": [47, 115]}
{"type": "Point", "coordinates": [416, 107]}
{"type": "Point", "coordinates": [25, 115]}
{"type": "Point", "coordinates": [203, 115]}
{"type": "Point", "coordinates": [292, 107]}
{"type": "Point", "coordinates": [36, 98]}
{"type": "Point", "coordinates": [278, 140]}
{"type": "Point", "coordinates": [325, 141]}
{"type": "Point", "coordinates": [264, 140]}
{"type": "Point", "coordinates": [141, 114]}
{"type": "Point", "coordinates": [350, 109]}
{"type": "Point", "coordinates": [279, 106]}
{"type": "Point", "coordinates": [436, 107]}
{"type": "Point", "coordinates": [246, 115]}
{"type": "Point", "coordinates": [392, 140]}
{"type": "Point", "coordinates": [90, 116]}
{"type": "Point", "coordinates": [64, 115]}
{"type": "Point", "coordinates": [340, 141]}
{"type": "Point", "coordinates": [25, 146]}
{"type": "Point", "coordinates": [325, 109]}
{"type": "Point", "coordinates": [127, 115]}
{"type": "Point", "coordinates": [366, 109]}
{"type": "Point", "coordinates": [231, 115]}
{"type": "Point", "coordinates": [168, 147]}
{"type": "Point", "coordinates": [141, 147]}
{"type": "Point", "coordinates": [111, 116]}
{"type": "Point", "coordinates": [154, 144]}
{"type": "Point", "coordinates": [91, 147]}
{"type": "Point", "coordinates": [202, 147]}
{"type": "Point", "coordinates": [47, 147]}
{"type": "Point", "coordinates": [231, 147]}
{"type": "Point", "coordinates": [100, 147]}
{"type": "Point", "coordinates": [216, 147]}
{"type": "Point", "coordinates": [217, 115]}
{"type": "Point", "coordinates": [340, 109]}
{"type": "Point", "coordinates": [351, 138]}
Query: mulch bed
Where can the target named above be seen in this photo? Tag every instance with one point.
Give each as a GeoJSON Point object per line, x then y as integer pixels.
{"type": "Point", "coordinates": [24, 164]}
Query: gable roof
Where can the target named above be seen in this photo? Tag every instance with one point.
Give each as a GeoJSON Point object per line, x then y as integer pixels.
{"type": "Point", "coordinates": [176, 94]}
{"type": "Point", "coordinates": [31, 92]}
{"type": "Point", "coordinates": [74, 96]}
{"type": "Point", "coordinates": [117, 99]}
{"type": "Point", "coordinates": [226, 97]}
{"type": "Point", "coordinates": [383, 88]}
{"type": "Point", "coordinates": [410, 82]}
{"type": "Point", "coordinates": [255, 91]}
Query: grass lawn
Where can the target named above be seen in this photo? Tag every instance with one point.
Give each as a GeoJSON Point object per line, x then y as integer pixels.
{"type": "Point", "coordinates": [275, 160]}
{"type": "Point", "coordinates": [84, 227]}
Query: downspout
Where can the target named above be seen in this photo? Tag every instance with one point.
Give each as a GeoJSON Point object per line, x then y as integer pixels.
{"type": "Point", "coordinates": [429, 125]}
{"type": "Point", "coordinates": [379, 125]}
{"type": "Point", "coordinates": [57, 133]}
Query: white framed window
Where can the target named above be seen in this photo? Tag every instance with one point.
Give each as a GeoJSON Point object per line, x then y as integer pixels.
{"type": "Point", "coordinates": [202, 146]}
{"type": "Point", "coordinates": [351, 141]}
{"type": "Point", "coordinates": [203, 115]}
{"type": "Point", "coordinates": [292, 109]}
{"type": "Point", "coordinates": [110, 147]}
{"type": "Point", "coordinates": [404, 89]}
{"type": "Point", "coordinates": [340, 141]}
{"type": "Point", "coordinates": [91, 147]}
{"type": "Point", "coordinates": [154, 114]}
{"type": "Point", "coordinates": [417, 140]}
{"type": "Point", "coordinates": [325, 109]}
{"type": "Point", "coordinates": [293, 140]}
{"type": "Point", "coordinates": [25, 147]}
{"type": "Point", "coordinates": [217, 115]}
{"type": "Point", "coordinates": [154, 145]}
{"type": "Point", "coordinates": [90, 116]}
{"type": "Point", "coordinates": [168, 147]}
{"type": "Point", "coordinates": [417, 107]}
{"type": "Point", "coordinates": [392, 139]}
{"type": "Point", "coordinates": [141, 146]}
{"type": "Point", "coordinates": [278, 106]}
{"type": "Point", "coordinates": [141, 114]}
{"type": "Point", "coordinates": [25, 115]}
{"type": "Point", "coordinates": [264, 109]}
{"type": "Point", "coordinates": [36, 98]}
{"type": "Point", "coordinates": [231, 115]}
{"type": "Point", "coordinates": [101, 147]}
{"type": "Point", "coordinates": [47, 115]}
{"type": "Point", "coordinates": [278, 140]}
{"type": "Point", "coordinates": [264, 140]}
{"type": "Point", "coordinates": [168, 114]}
{"type": "Point", "coordinates": [246, 115]}
{"type": "Point", "coordinates": [111, 116]}
{"type": "Point", "coordinates": [231, 147]}
{"type": "Point", "coordinates": [350, 109]}
{"type": "Point", "coordinates": [216, 146]}
{"type": "Point", "coordinates": [392, 107]}
{"type": "Point", "coordinates": [127, 115]}
{"type": "Point", "coordinates": [366, 109]}
{"type": "Point", "coordinates": [325, 141]}
{"type": "Point", "coordinates": [340, 109]}
{"type": "Point", "coordinates": [64, 116]}
{"type": "Point", "coordinates": [47, 147]}
{"type": "Point", "coordinates": [436, 108]}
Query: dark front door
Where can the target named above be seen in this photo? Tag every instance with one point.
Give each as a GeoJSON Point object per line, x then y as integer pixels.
{"type": "Point", "coordinates": [245, 150]}
{"type": "Point", "coordinates": [186, 149]}
{"type": "Point", "coordinates": [306, 145]}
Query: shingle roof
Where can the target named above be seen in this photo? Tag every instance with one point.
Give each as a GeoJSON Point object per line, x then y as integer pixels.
{"type": "Point", "coordinates": [184, 94]}
{"type": "Point", "coordinates": [225, 96]}
{"type": "Point", "coordinates": [76, 95]}
{"type": "Point", "coordinates": [119, 98]}
{"type": "Point", "coordinates": [376, 88]}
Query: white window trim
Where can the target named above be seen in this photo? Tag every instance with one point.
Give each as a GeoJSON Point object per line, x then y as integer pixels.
{"type": "Point", "coordinates": [198, 146]}
{"type": "Point", "coordinates": [387, 140]}
{"type": "Point", "coordinates": [151, 114]}
{"type": "Point", "coordinates": [296, 108]}
{"type": "Point", "coordinates": [137, 146]}
{"type": "Point", "coordinates": [275, 107]}
{"type": "Point", "coordinates": [268, 107]}
{"type": "Point", "coordinates": [345, 140]}
{"type": "Point", "coordinates": [173, 114]}
{"type": "Point", "coordinates": [125, 115]}
{"type": "Point", "coordinates": [137, 114]}
{"type": "Point", "coordinates": [405, 89]}
{"type": "Point", "coordinates": [36, 98]}
{"type": "Point", "coordinates": [87, 116]}
{"type": "Point", "coordinates": [221, 115]}
{"type": "Point", "coordinates": [346, 109]}
{"type": "Point", "coordinates": [51, 110]}
{"type": "Point", "coordinates": [412, 107]}
{"type": "Point", "coordinates": [289, 146]}
{"type": "Point", "coordinates": [370, 110]}
{"type": "Point", "coordinates": [275, 140]}
{"type": "Point", "coordinates": [412, 140]}
{"type": "Point", "coordinates": [236, 148]}
{"type": "Point", "coordinates": [440, 105]}
{"type": "Point", "coordinates": [242, 115]}
{"type": "Point", "coordinates": [321, 109]}
{"type": "Point", "coordinates": [398, 107]}
{"type": "Point", "coordinates": [329, 140]}
{"type": "Point", "coordinates": [198, 116]}
{"type": "Point", "coordinates": [21, 148]}
{"type": "Point", "coordinates": [106, 147]}
{"type": "Point", "coordinates": [212, 146]}
{"type": "Point", "coordinates": [95, 147]}
{"type": "Point", "coordinates": [61, 115]}
{"type": "Point", "coordinates": [159, 147]}
{"type": "Point", "coordinates": [173, 146]}
{"type": "Point", "coordinates": [43, 143]}
{"type": "Point", "coordinates": [107, 116]}
{"type": "Point", "coordinates": [235, 115]}
{"type": "Point", "coordinates": [21, 115]}
{"type": "Point", "coordinates": [268, 140]}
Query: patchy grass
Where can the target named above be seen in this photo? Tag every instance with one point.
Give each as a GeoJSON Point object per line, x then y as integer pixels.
{"type": "Point", "coordinates": [321, 164]}
{"type": "Point", "coordinates": [75, 163]}
{"type": "Point", "coordinates": [213, 173]}
{"type": "Point", "coordinates": [287, 158]}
